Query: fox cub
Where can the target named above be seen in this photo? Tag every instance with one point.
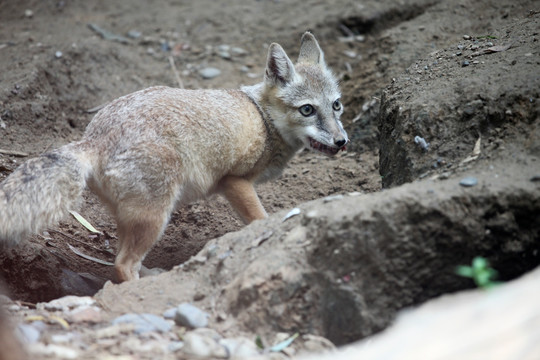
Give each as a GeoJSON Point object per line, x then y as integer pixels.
{"type": "Point", "coordinates": [156, 149]}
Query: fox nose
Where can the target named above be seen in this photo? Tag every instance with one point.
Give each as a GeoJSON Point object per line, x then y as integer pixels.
{"type": "Point", "coordinates": [339, 142]}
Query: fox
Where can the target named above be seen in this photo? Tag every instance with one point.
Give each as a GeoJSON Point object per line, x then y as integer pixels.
{"type": "Point", "coordinates": [150, 152]}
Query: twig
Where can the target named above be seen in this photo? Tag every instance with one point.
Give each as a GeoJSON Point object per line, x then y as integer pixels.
{"type": "Point", "coordinates": [175, 71]}
{"type": "Point", "coordinates": [26, 303]}
{"type": "Point", "coordinates": [346, 31]}
{"type": "Point", "coordinates": [96, 108]}
{"type": "Point", "coordinates": [13, 153]}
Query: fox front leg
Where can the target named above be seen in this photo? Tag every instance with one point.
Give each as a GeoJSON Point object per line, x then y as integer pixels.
{"type": "Point", "coordinates": [243, 198]}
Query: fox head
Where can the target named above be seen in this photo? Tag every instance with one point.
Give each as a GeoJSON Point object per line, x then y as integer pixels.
{"type": "Point", "coordinates": [304, 99]}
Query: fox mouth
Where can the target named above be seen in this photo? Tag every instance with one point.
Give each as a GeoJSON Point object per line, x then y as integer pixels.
{"type": "Point", "coordinates": [325, 149]}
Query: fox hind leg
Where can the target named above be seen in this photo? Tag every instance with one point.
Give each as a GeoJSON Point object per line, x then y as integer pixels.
{"type": "Point", "coordinates": [137, 232]}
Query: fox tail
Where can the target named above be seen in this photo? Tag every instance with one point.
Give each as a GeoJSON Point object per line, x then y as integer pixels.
{"type": "Point", "coordinates": [40, 192]}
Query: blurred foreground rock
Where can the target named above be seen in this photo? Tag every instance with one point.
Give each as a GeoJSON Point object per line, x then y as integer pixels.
{"type": "Point", "coordinates": [502, 323]}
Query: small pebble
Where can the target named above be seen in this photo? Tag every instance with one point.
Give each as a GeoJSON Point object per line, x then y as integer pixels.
{"type": "Point", "coordinates": [58, 54]}
{"type": "Point", "coordinates": [209, 73]}
{"type": "Point", "coordinates": [62, 338]}
{"type": "Point", "coordinates": [466, 37]}
{"type": "Point", "coordinates": [421, 142]}
{"type": "Point", "coordinates": [144, 323]}
{"type": "Point", "coordinates": [169, 313]}
{"type": "Point", "coordinates": [28, 13]}
{"type": "Point", "coordinates": [67, 302]}
{"type": "Point", "coordinates": [349, 53]}
{"type": "Point", "coordinates": [53, 351]}
{"type": "Point", "coordinates": [465, 63]}
{"type": "Point", "coordinates": [468, 181]}
{"type": "Point", "coordinates": [191, 316]}
{"type": "Point", "coordinates": [174, 346]}
{"type": "Point", "coordinates": [238, 51]}
{"type": "Point", "coordinates": [199, 346]}
{"type": "Point", "coordinates": [134, 34]}
{"type": "Point", "coordinates": [240, 347]}
{"type": "Point", "coordinates": [88, 314]}
{"type": "Point", "coordinates": [332, 198]}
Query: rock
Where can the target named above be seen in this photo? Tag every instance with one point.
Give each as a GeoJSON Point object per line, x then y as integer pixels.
{"type": "Point", "coordinates": [333, 198]}
{"type": "Point", "coordinates": [90, 314]}
{"type": "Point", "coordinates": [144, 323]}
{"type": "Point", "coordinates": [134, 34]}
{"type": "Point", "coordinates": [62, 338]}
{"type": "Point", "coordinates": [209, 72]}
{"type": "Point", "coordinates": [239, 348]}
{"type": "Point", "coordinates": [316, 344]}
{"type": "Point", "coordinates": [204, 347]}
{"type": "Point", "coordinates": [468, 181]}
{"type": "Point", "coordinates": [237, 51]}
{"type": "Point", "coordinates": [56, 351]}
{"type": "Point", "coordinates": [169, 313]}
{"type": "Point", "coordinates": [67, 302]}
{"type": "Point", "coordinates": [114, 330]}
{"type": "Point", "coordinates": [28, 333]}
{"type": "Point", "coordinates": [432, 330]}
{"type": "Point", "coordinates": [422, 143]}
{"type": "Point", "coordinates": [174, 346]}
{"type": "Point", "coordinates": [190, 316]}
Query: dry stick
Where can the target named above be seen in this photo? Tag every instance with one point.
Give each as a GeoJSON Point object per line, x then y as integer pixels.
{"type": "Point", "coordinates": [13, 153]}
{"type": "Point", "coordinates": [26, 303]}
{"type": "Point", "coordinates": [175, 71]}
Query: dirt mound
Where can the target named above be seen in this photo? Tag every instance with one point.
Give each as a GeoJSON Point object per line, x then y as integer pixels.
{"type": "Point", "coordinates": [488, 95]}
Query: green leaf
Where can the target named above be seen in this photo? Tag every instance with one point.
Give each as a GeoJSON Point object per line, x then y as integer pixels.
{"type": "Point", "coordinates": [84, 222]}
{"type": "Point", "coordinates": [259, 342]}
{"type": "Point", "coordinates": [479, 263]}
{"type": "Point", "coordinates": [465, 271]}
{"type": "Point", "coordinates": [283, 345]}
{"type": "Point", "coordinates": [482, 278]}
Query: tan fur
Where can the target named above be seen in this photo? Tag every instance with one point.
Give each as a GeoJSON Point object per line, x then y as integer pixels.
{"type": "Point", "coordinates": [151, 151]}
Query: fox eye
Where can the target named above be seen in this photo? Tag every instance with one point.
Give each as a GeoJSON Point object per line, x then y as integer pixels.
{"type": "Point", "coordinates": [306, 110]}
{"type": "Point", "coordinates": [336, 105]}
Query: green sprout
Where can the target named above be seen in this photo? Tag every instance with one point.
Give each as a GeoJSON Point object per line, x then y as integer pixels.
{"type": "Point", "coordinates": [482, 274]}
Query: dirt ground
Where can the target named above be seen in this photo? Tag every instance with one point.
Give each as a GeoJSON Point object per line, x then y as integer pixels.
{"type": "Point", "coordinates": [57, 69]}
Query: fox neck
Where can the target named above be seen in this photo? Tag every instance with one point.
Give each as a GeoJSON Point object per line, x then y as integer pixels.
{"type": "Point", "coordinates": [280, 147]}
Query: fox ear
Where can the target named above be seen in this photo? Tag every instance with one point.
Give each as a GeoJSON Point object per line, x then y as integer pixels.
{"type": "Point", "coordinates": [310, 51]}
{"type": "Point", "coordinates": [279, 68]}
